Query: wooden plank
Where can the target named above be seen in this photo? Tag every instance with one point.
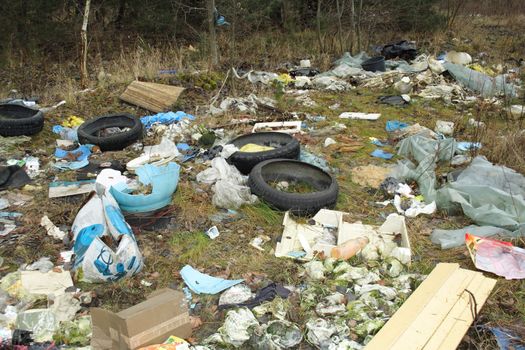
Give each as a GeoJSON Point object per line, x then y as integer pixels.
{"type": "Point", "coordinates": [151, 96]}
{"type": "Point", "coordinates": [462, 323]}
{"type": "Point", "coordinates": [403, 318]}
{"type": "Point", "coordinates": [455, 312]}
{"type": "Point", "coordinates": [427, 320]}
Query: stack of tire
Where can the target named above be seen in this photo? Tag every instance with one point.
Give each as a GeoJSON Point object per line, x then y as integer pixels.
{"type": "Point", "coordinates": [281, 164]}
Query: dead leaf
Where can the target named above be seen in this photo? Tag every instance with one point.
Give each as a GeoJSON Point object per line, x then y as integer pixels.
{"type": "Point", "coordinates": [195, 321]}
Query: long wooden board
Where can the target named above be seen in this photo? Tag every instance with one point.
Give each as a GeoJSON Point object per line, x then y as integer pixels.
{"type": "Point", "coordinates": [151, 96]}
{"type": "Point", "coordinates": [439, 312]}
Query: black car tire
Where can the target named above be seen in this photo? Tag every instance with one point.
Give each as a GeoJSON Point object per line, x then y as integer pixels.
{"type": "Point", "coordinates": [288, 148]}
{"type": "Point", "coordinates": [18, 120]}
{"type": "Point", "coordinates": [88, 131]}
{"type": "Point", "coordinates": [324, 196]}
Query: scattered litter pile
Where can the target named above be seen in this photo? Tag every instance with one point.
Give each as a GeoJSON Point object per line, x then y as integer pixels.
{"type": "Point", "coordinates": [356, 286]}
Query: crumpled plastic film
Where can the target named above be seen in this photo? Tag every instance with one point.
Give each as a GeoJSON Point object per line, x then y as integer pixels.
{"type": "Point", "coordinates": [481, 83]}
{"type": "Point", "coordinates": [456, 238]}
{"type": "Point", "coordinates": [427, 152]}
{"type": "Point", "coordinates": [230, 190]}
{"type": "Point", "coordinates": [488, 194]}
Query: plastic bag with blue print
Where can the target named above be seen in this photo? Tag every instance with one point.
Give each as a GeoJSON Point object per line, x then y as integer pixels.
{"type": "Point", "coordinates": [101, 217]}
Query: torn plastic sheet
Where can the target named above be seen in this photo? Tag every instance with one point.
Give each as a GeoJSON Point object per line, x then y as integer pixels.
{"type": "Point", "coordinates": [165, 118]}
{"type": "Point", "coordinates": [330, 83]}
{"type": "Point", "coordinates": [506, 339]}
{"type": "Point", "coordinates": [235, 295]}
{"type": "Point", "coordinates": [248, 104]}
{"type": "Point", "coordinates": [73, 160]}
{"type": "Point", "coordinates": [7, 225]}
{"type": "Point", "coordinates": [256, 76]}
{"type": "Point", "coordinates": [156, 155]}
{"type": "Point", "coordinates": [41, 322]}
{"type": "Point", "coordinates": [163, 181]}
{"type": "Point", "coordinates": [489, 194]}
{"type": "Point", "coordinates": [201, 283]}
{"type": "Point", "coordinates": [481, 83]}
{"type": "Point", "coordinates": [456, 238]}
{"type": "Point", "coordinates": [350, 66]}
{"type": "Point", "coordinates": [312, 159]}
{"type": "Point", "coordinates": [101, 217]}
{"type": "Point", "coordinates": [498, 257]}
{"type": "Point", "coordinates": [426, 152]}
{"type": "Point", "coordinates": [307, 238]}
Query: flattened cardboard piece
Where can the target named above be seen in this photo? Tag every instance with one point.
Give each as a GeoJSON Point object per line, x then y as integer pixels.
{"type": "Point", "coordinates": [164, 313]}
{"type": "Point", "coordinates": [38, 283]}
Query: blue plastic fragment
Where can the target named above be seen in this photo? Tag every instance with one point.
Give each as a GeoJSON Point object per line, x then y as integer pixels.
{"type": "Point", "coordinates": [378, 143]}
{"type": "Point", "coordinates": [201, 283]}
{"type": "Point", "coordinates": [507, 340]}
{"type": "Point", "coordinates": [81, 155]}
{"type": "Point", "coordinates": [379, 153]}
{"type": "Point", "coordinates": [393, 125]}
{"type": "Point", "coordinates": [183, 147]}
{"type": "Point", "coordinates": [165, 118]}
{"type": "Point", "coordinates": [163, 181]}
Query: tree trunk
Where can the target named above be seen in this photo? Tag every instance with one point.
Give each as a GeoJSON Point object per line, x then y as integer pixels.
{"type": "Point", "coordinates": [352, 24]}
{"type": "Point", "coordinates": [359, 25]}
{"type": "Point", "coordinates": [84, 78]}
{"type": "Point", "coordinates": [318, 16]}
{"type": "Point", "coordinates": [339, 24]}
{"type": "Point", "coordinates": [120, 14]}
{"type": "Point", "coordinates": [214, 54]}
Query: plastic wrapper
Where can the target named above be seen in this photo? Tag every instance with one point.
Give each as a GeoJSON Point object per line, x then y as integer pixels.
{"type": "Point", "coordinates": [500, 258]}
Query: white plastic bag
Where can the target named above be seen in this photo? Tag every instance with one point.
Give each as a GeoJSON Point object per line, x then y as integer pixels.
{"type": "Point", "coordinates": [101, 217]}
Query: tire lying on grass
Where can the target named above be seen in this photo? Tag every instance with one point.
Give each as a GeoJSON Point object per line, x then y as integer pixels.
{"type": "Point", "coordinates": [323, 195]}
{"type": "Point", "coordinates": [285, 147]}
{"type": "Point", "coordinates": [88, 132]}
{"type": "Point", "coordinates": [17, 120]}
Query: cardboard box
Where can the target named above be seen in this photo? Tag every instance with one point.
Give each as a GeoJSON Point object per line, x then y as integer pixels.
{"type": "Point", "coordinates": [302, 237]}
{"type": "Point", "coordinates": [164, 313]}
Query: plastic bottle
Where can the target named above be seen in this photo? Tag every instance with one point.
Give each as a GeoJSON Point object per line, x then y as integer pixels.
{"type": "Point", "coordinates": [349, 248]}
